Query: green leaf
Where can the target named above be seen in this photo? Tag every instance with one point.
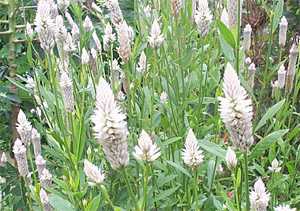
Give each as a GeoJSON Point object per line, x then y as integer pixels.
{"type": "Point", "coordinates": [269, 114]}
{"type": "Point", "coordinates": [212, 148]}
{"type": "Point", "coordinates": [179, 168]}
{"type": "Point", "coordinates": [94, 204]}
{"type": "Point", "coordinates": [227, 50]}
{"type": "Point", "coordinates": [277, 15]}
{"type": "Point", "coordinates": [171, 141]}
{"type": "Point", "coordinates": [165, 194]}
{"type": "Point", "coordinates": [59, 204]}
{"type": "Point", "coordinates": [266, 142]}
{"type": "Point", "coordinates": [226, 34]}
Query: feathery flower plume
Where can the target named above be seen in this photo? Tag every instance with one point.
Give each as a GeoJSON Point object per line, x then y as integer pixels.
{"type": "Point", "coordinates": [45, 24]}
{"type": "Point", "coordinates": [275, 166]}
{"type": "Point", "coordinates": [115, 12]}
{"type": "Point", "coordinates": [124, 49]}
{"type": "Point", "coordinates": [63, 4]}
{"type": "Point", "coordinates": [176, 6]}
{"type": "Point", "coordinates": [46, 178]}
{"type": "Point", "coordinates": [24, 127]}
{"type": "Point", "coordinates": [45, 200]}
{"type": "Point", "coordinates": [146, 150]}
{"type": "Point", "coordinates": [40, 164]}
{"type": "Point", "coordinates": [156, 38]}
{"type": "Point", "coordinates": [232, 9]}
{"type": "Point", "coordinates": [294, 51]}
{"type": "Point", "coordinates": [281, 76]}
{"type": "Point", "coordinates": [236, 110]}
{"type": "Point", "coordinates": [108, 37]}
{"type": "Point", "coordinates": [36, 141]}
{"type": "Point", "coordinates": [225, 17]}
{"type": "Point", "coordinates": [203, 17]}
{"type": "Point", "coordinates": [93, 173]}
{"type": "Point", "coordinates": [191, 154]}
{"type": "Point", "coordinates": [85, 57]}
{"type": "Point", "coordinates": [66, 86]}
{"type": "Point", "coordinates": [231, 160]}
{"type": "Point", "coordinates": [19, 151]}
{"type": "Point", "coordinates": [87, 24]}
{"type": "Point", "coordinates": [284, 208]}
{"type": "Point", "coordinates": [110, 126]}
{"type": "Point", "coordinates": [283, 26]}
{"type": "Point", "coordinates": [252, 70]}
{"type": "Point", "coordinates": [247, 37]}
{"type": "Point", "coordinates": [259, 197]}
{"type": "Point", "coordinates": [142, 64]}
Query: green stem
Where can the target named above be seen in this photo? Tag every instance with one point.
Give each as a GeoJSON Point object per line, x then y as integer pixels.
{"type": "Point", "coordinates": [129, 189]}
{"type": "Point", "coordinates": [145, 188]}
{"type": "Point", "coordinates": [238, 36]}
{"type": "Point", "coordinates": [246, 180]}
{"type": "Point", "coordinates": [196, 190]}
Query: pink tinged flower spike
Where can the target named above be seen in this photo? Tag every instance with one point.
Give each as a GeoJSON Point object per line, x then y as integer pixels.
{"type": "Point", "coordinates": [24, 127]}
{"type": "Point", "coordinates": [230, 158]}
{"type": "Point", "coordinates": [124, 38]}
{"type": "Point", "coordinates": [294, 51]}
{"type": "Point", "coordinates": [87, 24]}
{"type": "Point", "coordinates": [93, 173]}
{"type": "Point", "coordinates": [29, 30]}
{"type": "Point", "coordinates": [66, 86]}
{"type": "Point", "coordinates": [155, 39]}
{"type": "Point", "coordinates": [284, 208]}
{"type": "Point", "coordinates": [259, 197]}
{"type": "Point", "coordinates": [19, 151]}
{"type": "Point", "coordinates": [142, 64]}
{"type": "Point", "coordinates": [146, 150]}
{"type": "Point", "coordinates": [108, 37]}
{"type": "Point", "coordinates": [45, 200]}
{"type": "Point", "coordinates": [225, 17]}
{"type": "Point", "coordinates": [236, 110]}
{"type": "Point", "coordinates": [275, 166]}
{"type": "Point", "coordinates": [247, 37]}
{"type": "Point", "coordinates": [85, 57]}
{"type": "Point", "coordinates": [40, 164]}
{"type": "Point", "coordinates": [46, 178]}
{"type": "Point", "coordinates": [283, 27]}
{"type": "Point", "coordinates": [192, 156]}
{"type": "Point", "coordinates": [281, 75]}
{"type": "Point", "coordinates": [3, 159]}
{"type": "Point", "coordinates": [97, 41]}
{"type": "Point", "coordinates": [115, 12]}
{"type": "Point", "coordinates": [36, 142]}
{"type": "Point", "coordinates": [110, 126]}
{"type": "Point", "coordinates": [203, 17]}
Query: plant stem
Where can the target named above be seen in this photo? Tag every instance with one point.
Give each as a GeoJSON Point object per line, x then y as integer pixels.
{"type": "Point", "coordinates": [129, 189]}
{"type": "Point", "coordinates": [196, 190]}
{"type": "Point", "coordinates": [238, 36]}
{"type": "Point", "coordinates": [246, 180]}
{"type": "Point", "coordinates": [145, 188]}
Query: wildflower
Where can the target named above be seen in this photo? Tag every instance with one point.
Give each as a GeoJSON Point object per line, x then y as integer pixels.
{"type": "Point", "coordinates": [46, 178]}
{"type": "Point", "coordinates": [24, 127]}
{"type": "Point", "coordinates": [36, 141]}
{"type": "Point", "coordinates": [146, 150]}
{"type": "Point", "coordinates": [283, 26]}
{"type": "Point", "coordinates": [248, 61]}
{"type": "Point", "coordinates": [284, 208]}
{"type": "Point", "coordinates": [110, 126]}
{"type": "Point", "coordinates": [281, 76]}
{"type": "Point", "coordinates": [29, 31]}
{"type": "Point", "coordinates": [66, 86]}
{"type": "Point", "coordinates": [247, 37]}
{"type": "Point", "coordinates": [275, 167]}
{"type": "Point", "coordinates": [156, 38]}
{"type": "Point", "coordinates": [231, 160]}
{"type": "Point", "coordinates": [40, 164]}
{"type": "Point", "coordinates": [45, 200]}
{"type": "Point", "coordinates": [75, 32]}
{"type": "Point", "coordinates": [45, 24]}
{"type": "Point", "coordinates": [163, 97]}
{"type": "Point", "coordinates": [225, 17]}
{"type": "Point", "coordinates": [236, 110]}
{"type": "Point", "coordinates": [203, 17]}
{"type": "Point", "coordinates": [93, 173]}
{"type": "Point", "coordinates": [124, 49]}
{"type": "Point", "coordinates": [115, 12]}
{"type": "Point", "coordinates": [191, 154]}
{"type": "Point", "coordinates": [3, 159]}
{"type": "Point", "coordinates": [97, 41]}
{"type": "Point", "coordinates": [252, 70]}
{"type": "Point", "coordinates": [232, 9]}
{"type": "Point", "coordinates": [292, 67]}
{"type": "Point", "coordinates": [259, 197]}
{"type": "Point", "coordinates": [142, 64]}
{"type": "Point", "coordinates": [85, 57]}
{"type": "Point", "coordinates": [87, 24]}
{"type": "Point", "coordinates": [108, 37]}
{"type": "Point", "coordinates": [19, 151]}
{"type": "Point", "coordinates": [176, 6]}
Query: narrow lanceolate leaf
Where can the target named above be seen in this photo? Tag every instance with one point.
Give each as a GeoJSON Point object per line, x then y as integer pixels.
{"type": "Point", "coordinates": [277, 15]}
{"type": "Point", "coordinates": [226, 34]}
{"type": "Point", "coordinates": [266, 142]}
{"type": "Point", "coordinates": [269, 114]}
{"type": "Point", "coordinates": [212, 148]}
{"type": "Point", "coordinates": [58, 203]}
{"type": "Point", "coordinates": [179, 168]}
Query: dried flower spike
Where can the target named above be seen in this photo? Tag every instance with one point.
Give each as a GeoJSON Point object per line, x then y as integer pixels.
{"type": "Point", "coordinates": [19, 151]}
{"type": "Point", "coordinates": [115, 12]}
{"type": "Point", "coordinates": [24, 127]}
{"type": "Point", "coordinates": [66, 86]}
{"type": "Point", "coordinates": [203, 17]}
{"type": "Point", "coordinates": [46, 178]}
{"type": "Point", "coordinates": [247, 37]}
{"type": "Point", "coordinates": [281, 76]}
{"type": "Point", "coordinates": [283, 26]}
{"type": "Point", "coordinates": [146, 150]}
{"type": "Point", "coordinates": [294, 51]}
{"type": "Point", "coordinates": [124, 38]}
